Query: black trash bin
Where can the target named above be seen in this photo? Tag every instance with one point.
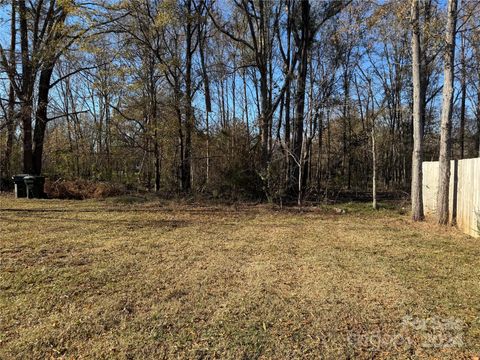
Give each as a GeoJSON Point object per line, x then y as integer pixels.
{"type": "Point", "coordinates": [20, 188]}
{"type": "Point", "coordinates": [29, 186]}
{"type": "Point", "coordinates": [34, 186]}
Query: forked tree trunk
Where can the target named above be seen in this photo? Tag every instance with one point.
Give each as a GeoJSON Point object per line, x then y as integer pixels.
{"type": "Point", "coordinates": [446, 121]}
{"type": "Point", "coordinates": [44, 87]}
{"type": "Point", "coordinates": [417, 156]}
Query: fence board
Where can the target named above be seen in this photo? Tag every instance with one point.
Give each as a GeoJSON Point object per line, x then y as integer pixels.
{"type": "Point", "coordinates": [464, 192]}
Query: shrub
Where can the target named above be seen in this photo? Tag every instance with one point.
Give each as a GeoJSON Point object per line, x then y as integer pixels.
{"type": "Point", "coordinates": [82, 189]}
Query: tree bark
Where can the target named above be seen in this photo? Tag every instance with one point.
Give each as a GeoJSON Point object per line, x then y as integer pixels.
{"type": "Point", "coordinates": [287, 101]}
{"type": "Point", "coordinates": [26, 90]}
{"type": "Point", "coordinates": [5, 167]}
{"type": "Point", "coordinates": [303, 47]}
{"type": "Point", "coordinates": [154, 115]}
{"type": "Point", "coordinates": [418, 110]}
{"type": "Point", "coordinates": [446, 120]}
{"type": "Point", "coordinates": [463, 86]}
{"type": "Point", "coordinates": [374, 169]}
{"type": "Point", "coordinates": [41, 118]}
{"type": "Point", "coordinates": [202, 35]}
{"type": "Point", "coordinates": [478, 119]}
{"type": "Point", "coordinates": [186, 180]}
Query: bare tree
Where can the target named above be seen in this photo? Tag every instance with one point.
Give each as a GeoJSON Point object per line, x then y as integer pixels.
{"type": "Point", "coordinates": [5, 165]}
{"type": "Point", "coordinates": [446, 120]}
{"type": "Point", "coordinates": [418, 110]}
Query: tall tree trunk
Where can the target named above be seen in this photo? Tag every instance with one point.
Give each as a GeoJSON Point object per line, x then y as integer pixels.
{"type": "Point", "coordinates": [418, 110]}
{"type": "Point", "coordinates": [181, 143]}
{"type": "Point", "coordinates": [426, 59]}
{"type": "Point", "coordinates": [463, 85]}
{"type": "Point", "coordinates": [108, 137]}
{"type": "Point", "coordinates": [156, 145]}
{"type": "Point", "coordinates": [41, 118]}
{"type": "Point", "coordinates": [5, 166]}
{"type": "Point", "coordinates": [264, 120]}
{"type": "Point", "coordinates": [245, 106]}
{"type": "Point", "coordinates": [318, 175]}
{"type": "Point", "coordinates": [303, 47]}
{"type": "Point", "coordinates": [5, 170]}
{"type": "Point", "coordinates": [262, 61]}
{"type": "Point", "coordinates": [43, 98]}
{"type": "Point", "coordinates": [207, 180]}
{"type": "Point", "coordinates": [374, 146]}
{"type": "Point", "coordinates": [287, 133]}
{"type": "Point", "coordinates": [26, 90]}
{"type": "Point", "coordinates": [374, 169]}
{"type": "Point", "coordinates": [346, 121]}
{"type": "Point", "coordinates": [186, 184]}
{"type": "Point", "coordinates": [208, 101]}
{"type": "Point", "coordinates": [156, 149]}
{"type": "Point", "coordinates": [478, 119]}
{"type": "Point", "coordinates": [446, 121]}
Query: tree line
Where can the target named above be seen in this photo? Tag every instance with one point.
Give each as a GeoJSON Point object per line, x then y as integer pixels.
{"type": "Point", "coordinates": [287, 100]}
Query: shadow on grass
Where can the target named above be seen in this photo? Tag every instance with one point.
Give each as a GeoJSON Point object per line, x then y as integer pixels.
{"type": "Point", "coordinates": [30, 215]}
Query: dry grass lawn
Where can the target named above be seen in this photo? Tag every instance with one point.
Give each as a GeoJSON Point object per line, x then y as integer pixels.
{"type": "Point", "coordinates": [107, 279]}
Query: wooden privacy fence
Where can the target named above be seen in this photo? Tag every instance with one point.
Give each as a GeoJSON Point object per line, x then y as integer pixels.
{"type": "Point", "coordinates": [464, 192]}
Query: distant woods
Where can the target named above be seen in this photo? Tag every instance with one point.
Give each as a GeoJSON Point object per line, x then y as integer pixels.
{"type": "Point", "coordinates": [282, 100]}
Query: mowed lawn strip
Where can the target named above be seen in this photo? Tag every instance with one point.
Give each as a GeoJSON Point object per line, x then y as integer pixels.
{"type": "Point", "coordinates": [104, 279]}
